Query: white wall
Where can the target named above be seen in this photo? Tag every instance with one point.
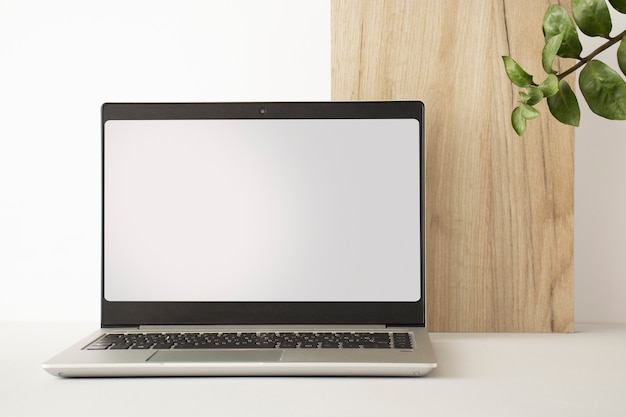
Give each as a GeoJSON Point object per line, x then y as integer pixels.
{"type": "Point", "coordinates": [62, 59]}
{"type": "Point", "coordinates": [600, 207]}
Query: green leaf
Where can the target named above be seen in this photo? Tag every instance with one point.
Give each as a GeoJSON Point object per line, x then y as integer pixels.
{"type": "Point", "coordinates": [520, 115]}
{"type": "Point", "coordinates": [518, 121]}
{"type": "Point", "coordinates": [534, 96]}
{"type": "Point", "coordinates": [549, 52]}
{"type": "Point", "coordinates": [592, 17]}
{"type": "Point", "coordinates": [621, 55]}
{"type": "Point", "coordinates": [529, 112]}
{"type": "Point", "coordinates": [604, 89]}
{"type": "Point", "coordinates": [516, 74]}
{"type": "Point", "coordinates": [550, 86]}
{"type": "Point", "coordinates": [525, 97]}
{"type": "Point", "coordinates": [619, 5]}
{"type": "Point", "coordinates": [556, 21]}
{"type": "Point", "coordinates": [564, 105]}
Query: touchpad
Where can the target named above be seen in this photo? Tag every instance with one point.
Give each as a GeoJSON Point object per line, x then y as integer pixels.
{"type": "Point", "coordinates": [216, 356]}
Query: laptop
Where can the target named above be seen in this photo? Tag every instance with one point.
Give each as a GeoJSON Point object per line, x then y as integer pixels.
{"type": "Point", "coordinates": [260, 239]}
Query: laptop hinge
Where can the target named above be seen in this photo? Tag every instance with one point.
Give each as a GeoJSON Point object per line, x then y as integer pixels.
{"type": "Point", "coordinates": [120, 326]}
{"type": "Point", "coordinates": [403, 325]}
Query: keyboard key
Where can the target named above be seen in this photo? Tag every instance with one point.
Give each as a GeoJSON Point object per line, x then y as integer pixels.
{"type": "Point", "coordinates": [120, 346]}
{"type": "Point", "coordinates": [401, 341]}
{"type": "Point", "coordinates": [98, 347]}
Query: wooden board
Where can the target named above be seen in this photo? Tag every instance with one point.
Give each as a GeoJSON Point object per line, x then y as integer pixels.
{"type": "Point", "coordinates": [500, 225]}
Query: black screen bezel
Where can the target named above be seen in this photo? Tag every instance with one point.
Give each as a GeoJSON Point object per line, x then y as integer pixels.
{"type": "Point", "coordinates": [119, 314]}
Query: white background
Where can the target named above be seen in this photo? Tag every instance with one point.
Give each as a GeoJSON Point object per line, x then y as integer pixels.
{"type": "Point", "coordinates": [62, 59]}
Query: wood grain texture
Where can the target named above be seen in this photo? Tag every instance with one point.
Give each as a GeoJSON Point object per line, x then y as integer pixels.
{"type": "Point", "coordinates": [499, 208]}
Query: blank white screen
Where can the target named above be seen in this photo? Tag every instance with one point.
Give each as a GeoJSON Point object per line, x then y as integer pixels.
{"type": "Point", "coordinates": [262, 210]}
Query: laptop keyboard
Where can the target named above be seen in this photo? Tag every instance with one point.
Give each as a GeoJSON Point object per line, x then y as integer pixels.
{"type": "Point", "coordinates": [260, 340]}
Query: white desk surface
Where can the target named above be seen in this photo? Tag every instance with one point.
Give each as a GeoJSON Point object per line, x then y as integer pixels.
{"type": "Point", "coordinates": [580, 374]}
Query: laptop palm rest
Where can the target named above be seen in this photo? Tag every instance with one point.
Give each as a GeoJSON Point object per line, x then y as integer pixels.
{"type": "Point", "coordinates": [216, 356]}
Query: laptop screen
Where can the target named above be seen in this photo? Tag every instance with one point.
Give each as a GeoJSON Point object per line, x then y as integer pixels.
{"type": "Point", "coordinates": [261, 209]}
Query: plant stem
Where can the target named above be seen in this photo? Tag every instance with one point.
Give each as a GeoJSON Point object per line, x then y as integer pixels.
{"type": "Point", "coordinates": [583, 61]}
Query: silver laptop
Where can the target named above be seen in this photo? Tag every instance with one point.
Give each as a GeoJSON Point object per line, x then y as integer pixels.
{"type": "Point", "coordinates": [260, 239]}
